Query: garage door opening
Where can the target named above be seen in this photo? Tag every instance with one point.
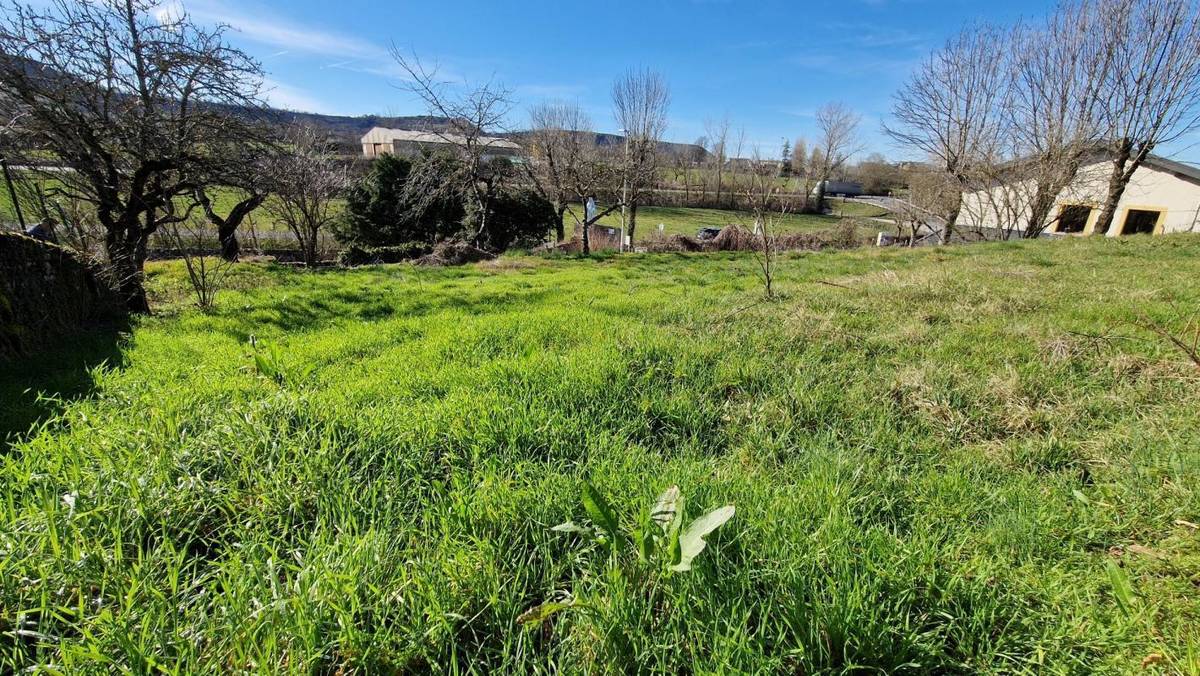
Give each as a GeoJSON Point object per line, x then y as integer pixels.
{"type": "Point", "coordinates": [1073, 217]}
{"type": "Point", "coordinates": [1140, 222]}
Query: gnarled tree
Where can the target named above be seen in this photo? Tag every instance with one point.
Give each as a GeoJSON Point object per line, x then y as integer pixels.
{"type": "Point", "coordinates": [246, 173]}
{"type": "Point", "coordinates": [128, 104]}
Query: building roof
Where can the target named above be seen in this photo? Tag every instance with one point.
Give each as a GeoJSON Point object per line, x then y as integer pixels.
{"type": "Point", "coordinates": [1186, 171]}
{"type": "Point", "coordinates": [385, 135]}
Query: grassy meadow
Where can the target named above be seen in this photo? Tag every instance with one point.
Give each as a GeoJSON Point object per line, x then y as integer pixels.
{"type": "Point", "coordinates": [961, 460]}
{"type": "Point", "coordinates": [688, 220]}
{"type": "Point", "coordinates": [675, 220]}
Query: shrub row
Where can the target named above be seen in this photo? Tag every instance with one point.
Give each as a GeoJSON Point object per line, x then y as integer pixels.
{"type": "Point", "coordinates": [370, 255]}
{"type": "Point", "coordinates": [737, 238]}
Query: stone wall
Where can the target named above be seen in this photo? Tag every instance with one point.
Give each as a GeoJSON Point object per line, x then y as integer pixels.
{"type": "Point", "coordinates": [47, 293]}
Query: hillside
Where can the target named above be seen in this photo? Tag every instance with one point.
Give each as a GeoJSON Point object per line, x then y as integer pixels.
{"type": "Point", "coordinates": [351, 128]}
{"type": "Point", "coordinates": [961, 460]}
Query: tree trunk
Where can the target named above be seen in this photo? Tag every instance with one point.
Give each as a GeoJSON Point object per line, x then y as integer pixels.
{"type": "Point", "coordinates": [1039, 211]}
{"type": "Point", "coordinates": [1116, 189]}
{"type": "Point", "coordinates": [227, 227]}
{"type": "Point", "coordinates": [1044, 198]}
{"type": "Point", "coordinates": [310, 249]}
{"type": "Point", "coordinates": [632, 224]}
{"type": "Point", "coordinates": [952, 216]}
{"type": "Point", "coordinates": [587, 244]}
{"type": "Point", "coordinates": [12, 193]}
{"type": "Point", "coordinates": [127, 259]}
{"type": "Point", "coordinates": [948, 227]}
{"type": "Point", "coordinates": [227, 234]}
{"type": "Point", "coordinates": [560, 225]}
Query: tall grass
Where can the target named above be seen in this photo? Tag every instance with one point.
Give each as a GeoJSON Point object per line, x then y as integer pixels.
{"type": "Point", "coordinates": [938, 459]}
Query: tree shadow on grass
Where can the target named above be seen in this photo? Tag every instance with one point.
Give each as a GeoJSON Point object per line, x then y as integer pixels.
{"type": "Point", "coordinates": [307, 311]}
{"type": "Point", "coordinates": [34, 387]}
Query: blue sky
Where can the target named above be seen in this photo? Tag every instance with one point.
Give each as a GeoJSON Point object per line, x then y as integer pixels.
{"type": "Point", "coordinates": [766, 65]}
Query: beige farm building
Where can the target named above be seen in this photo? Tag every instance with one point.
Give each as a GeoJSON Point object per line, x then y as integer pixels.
{"type": "Point", "coordinates": [406, 143]}
{"type": "Point", "coordinates": [1162, 197]}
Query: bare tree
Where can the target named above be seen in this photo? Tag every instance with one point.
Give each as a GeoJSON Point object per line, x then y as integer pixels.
{"type": "Point", "coordinates": [681, 171]}
{"type": "Point", "coordinates": [470, 112]}
{"type": "Point", "coordinates": [838, 142]}
{"type": "Point", "coordinates": [555, 132]}
{"type": "Point", "coordinates": [206, 274]}
{"type": "Point", "coordinates": [10, 114]}
{"type": "Point", "coordinates": [640, 101]}
{"type": "Point", "coordinates": [738, 143]}
{"type": "Point", "coordinates": [932, 196]}
{"type": "Point", "coordinates": [800, 170]}
{"type": "Point", "coordinates": [1053, 106]}
{"type": "Point", "coordinates": [591, 175]}
{"type": "Point", "coordinates": [948, 110]}
{"type": "Point", "coordinates": [1151, 95]}
{"type": "Point", "coordinates": [761, 194]}
{"type": "Point", "coordinates": [877, 175]}
{"type": "Point", "coordinates": [309, 180]}
{"type": "Point", "coordinates": [701, 158]}
{"type": "Point", "coordinates": [246, 169]}
{"type": "Point", "coordinates": [568, 167]}
{"type": "Point", "coordinates": [717, 134]}
{"type": "Point", "coordinates": [128, 102]}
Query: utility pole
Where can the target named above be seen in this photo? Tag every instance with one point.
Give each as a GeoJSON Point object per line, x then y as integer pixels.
{"type": "Point", "coordinates": [624, 194]}
{"type": "Point", "coordinates": [12, 192]}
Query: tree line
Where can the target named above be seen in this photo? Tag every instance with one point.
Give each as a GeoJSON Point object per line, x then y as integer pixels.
{"type": "Point", "coordinates": [139, 121]}
{"type": "Point", "coordinates": [1013, 114]}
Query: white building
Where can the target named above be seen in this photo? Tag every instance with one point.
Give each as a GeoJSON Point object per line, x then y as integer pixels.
{"type": "Point", "coordinates": [406, 143]}
{"type": "Point", "coordinates": [1162, 197]}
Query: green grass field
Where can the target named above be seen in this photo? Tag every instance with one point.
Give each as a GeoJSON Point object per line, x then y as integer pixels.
{"type": "Point", "coordinates": [676, 220]}
{"type": "Point", "coordinates": [851, 209]}
{"type": "Point", "coordinates": [964, 460]}
{"type": "Point", "coordinates": [687, 221]}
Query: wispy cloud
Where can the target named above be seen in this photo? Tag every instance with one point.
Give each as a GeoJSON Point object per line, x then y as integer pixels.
{"type": "Point", "coordinates": [873, 35]}
{"type": "Point", "coordinates": [854, 64]}
{"type": "Point", "coordinates": [272, 28]}
{"type": "Point", "coordinates": [269, 28]}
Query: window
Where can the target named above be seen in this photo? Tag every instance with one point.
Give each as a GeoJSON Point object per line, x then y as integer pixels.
{"type": "Point", "coordinates": [1140, 222]}
{"type": "Point", "coordinates": [1073, 217]}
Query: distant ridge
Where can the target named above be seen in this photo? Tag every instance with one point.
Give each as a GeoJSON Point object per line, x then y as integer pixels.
{"type": "Point", "coordinates": [348, 129]}
{"type": "Point", "coordinates": [355, 126]}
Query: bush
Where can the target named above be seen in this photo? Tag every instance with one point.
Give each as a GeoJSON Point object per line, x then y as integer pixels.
{"type": "Point", "coordinates": [673, 244]}
{"type": "Point", "coordinates": [371, 255]}
{"type": "Point", "coordinates": [521, 218]}
{"type": "Point", "coordinates": [454, 252]}
{"type": "Point", "coordinates": [401, 201]}
{"type": "Point", "coordinates": [736, 238]}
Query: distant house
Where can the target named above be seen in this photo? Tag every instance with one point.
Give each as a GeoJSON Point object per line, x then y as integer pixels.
{"type": "Point", "coordinates": [750, 164]}
{"type": "Point", "coordinates": [406, 143]}
{"type": "Point", "coordinates": [838, 189]}
{"type": "Point", "coordinates": [1163, 196]}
